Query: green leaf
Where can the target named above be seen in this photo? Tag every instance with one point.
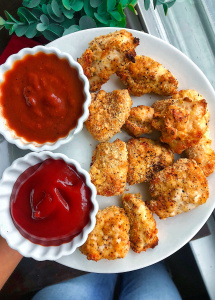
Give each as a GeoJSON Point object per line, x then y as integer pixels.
{"type": "Point", "coordinates": [10, 17]}
{"type": "Point", "coordinates": [68, 13]}
{"type": "Point", "coordinates": [155, 3]}
{"type": "Point", "coordinates": [31, 3]}
{"type": "Point", "coordinates": [31, 31]}
{"type": "Point", "coordinates": [165, 8]}
{"type": "Point", "coordinates": [146, 4]}
{"type": "Point", "coordinates": [12, 28]}
{"type": "Point", "coordinates": [56, 28]}
{"type": "Point", "coordinates": [50, 36]}
{"type": "Point", "coordinates": [37, 12]}
{"type": "Point", "coordinates": [44, 19]}
{"type": "Point", "coordinates": [171, 3]}
{"type": "Point", "coordinates": [111, 5]}
{"type": "Point", "coordinates": [102, 7]}
{"type": "Point", "coordinates": [123, 3]}
{"type": "Point", "coordinates": [26, 15]}
{"type": "Point", "coordinates": [101, 18]}
{"type": "Point", "coordinates": [86, 22]}
{"type": "Point", "coordinates": [133, 2]}
{"type": "Point", "coordinates": [95, 3]}
{"type": "Point", "coordinates": [1, 26]}
{"type": "Point", "coordinates": [116, 15]}
{"type": "Point", "coordinates": [77, 5]}
{"type": "Point", "coordinates": [120, 9]}
{"type": "Point", "coordinates": [89, 10]}
{"type": "Point", "coordinates": [53, 16]}
{"type": "Point", "coordinates": [41, 27]}
{"type": "Point", "coordinates": [67, 23]}
{"type": "Point", "coordinates": [66, 4]}
{"type": "Point", "coordinates": [56, 9]}
{"type": "Point", "coordinates": [44, 9]}
{"type": "Point", "coordinates": [122, 23]}
{"type": "Point", "coordinates": [20, 30]}
{"type": "Point", "coordinates": [131, 7]}
{"type": "Point", "coordinates": [8, 26]}
{"type": "Point", "coordinates": [71, 29]}
{"type": "Point", "coordinates": [2, 21]}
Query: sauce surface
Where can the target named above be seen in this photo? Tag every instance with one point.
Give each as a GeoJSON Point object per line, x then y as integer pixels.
{"type": "Point", "coordinates": [42, 98]}
{"type": "Point", "coordinates": [50, 203]}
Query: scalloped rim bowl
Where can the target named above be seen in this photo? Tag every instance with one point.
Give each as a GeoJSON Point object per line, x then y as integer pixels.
{"type": "Point", "coordinates": [9, 231]}
{"type": "Point", "coordinates": [20, 142]}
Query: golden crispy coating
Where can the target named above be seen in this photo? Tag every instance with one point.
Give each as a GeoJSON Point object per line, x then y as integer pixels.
{"type": "Point", "coordinates": [139, 121]}
{"type": "Point", "coordinates": [105, 55]}
{"type": "Point", "coordinates": [108, 112]}
{"type": "Point", "coordinates": [193, 95]}
{"type": "Point", "coordinates": [178, 189]}
{"type": "Point", "coordinates": [143, 231]}
{"type": "Point", "coordinates": [203, 154]}
{"type": "Point", "coordinates": [147, 76]}
{"type": "Point", "coordinates": [109, 168]}
{"type": "Point", "coordinates": [110, 237]}
{"type": "Point", "coordinates": [182, 122]}
{"type": "Point", "coordinates": [145, 158]}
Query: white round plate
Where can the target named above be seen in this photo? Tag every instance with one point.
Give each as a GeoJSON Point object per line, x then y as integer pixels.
{"type": "Point", "coordinates": [174, 232]}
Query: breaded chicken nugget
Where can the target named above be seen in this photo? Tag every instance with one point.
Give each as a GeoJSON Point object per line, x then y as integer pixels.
{"type": "Point", "coordinates": [145, 158]}
{"type": "Point", "coordinates": [139, 121]}
{"type": "Point", "coordinates": [143, 230]}
{"type": "Point", "coordinates": [147, 76]}
{"type": "Point", "coordinates": [182, 122]}
{"type": "Point", "coordinates": [193, 95]}
{"type": "Point", "coordinates": [203, 154]}
{"type": "Point", "coordinates": [109, 168]}
{"type": "Point", "coordinates": [178, 189]}
{"type": "Point", "coordinates": [105, 55]}
{"type": "Point", "coordinates": [110, 237]}
{"type": "Point", "coordinates": [108, 112]}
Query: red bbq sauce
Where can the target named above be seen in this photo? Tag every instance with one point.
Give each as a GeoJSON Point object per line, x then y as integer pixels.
{"type": "Point", "coordinates": [42, 98]}
{"type": "Point", "coordinates": [50, 203]}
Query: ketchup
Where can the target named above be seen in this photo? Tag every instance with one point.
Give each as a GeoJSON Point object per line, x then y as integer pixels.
{"type": "Point", "coordinates": [42, 98]}
{"type": "Point", "coordinates": [50, 203]}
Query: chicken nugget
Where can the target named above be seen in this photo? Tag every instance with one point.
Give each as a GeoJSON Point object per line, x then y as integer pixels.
{"type": "Point", "coordinates": [105, 55]}
{"type": "Point", "coordinates": [110, 237]}
{"type": "Point", "coordinates": [147, 76]}
{"type": "Point", "coordinates": [193, 95]}
{"type": "Point", "coordinates": [143, 230]}
{"type": "Point", "coordinates": [178, 188]}
{"type": "Point", "coordinates": [139, 121]}
{"type": "Point", "coordinates": [109, 168]}
{"type": "Point", "coordinates": [182, 122]}
{"type": "Point", "coordinates": [203, 154]}
{"type": "Point", "coordinates": [108, 112]}
{"type": "Point", "coordinates": [145, 158]}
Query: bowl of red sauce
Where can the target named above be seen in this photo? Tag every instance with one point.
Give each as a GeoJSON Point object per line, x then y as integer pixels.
{"type": "Point", "coordinates": [47, 205]}
{"type": "Point", "coordinates": [44, 98]}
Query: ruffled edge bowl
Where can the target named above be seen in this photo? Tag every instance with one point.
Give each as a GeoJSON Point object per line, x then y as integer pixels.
{"type": "Point", "coordinates": [7, 228]}
{"type": "Point", "coordinates": [20, 142]}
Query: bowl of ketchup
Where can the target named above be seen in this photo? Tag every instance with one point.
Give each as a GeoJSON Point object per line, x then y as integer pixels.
{"type": "Point", "coordinates": [44, 98]}
{"type": "Point", "coordinates": [47, 205]}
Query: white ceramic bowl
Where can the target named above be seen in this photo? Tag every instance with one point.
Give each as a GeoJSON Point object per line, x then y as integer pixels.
{"type": "Point", "coordinates": [20, 142]}
{"type": "Point", "coordinates": [10, 232]}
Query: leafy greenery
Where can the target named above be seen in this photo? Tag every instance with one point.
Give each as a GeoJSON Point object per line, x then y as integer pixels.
{"type": "Point", "coordinates": [55, 18]}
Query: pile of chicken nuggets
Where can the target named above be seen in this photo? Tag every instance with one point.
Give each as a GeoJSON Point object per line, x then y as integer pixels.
{"type": "Point", "coordinates": [182, 120]}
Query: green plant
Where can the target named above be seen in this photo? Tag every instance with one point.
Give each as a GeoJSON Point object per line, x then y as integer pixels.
{"type": "Point", "coordinates": [166, 4]}
{"type": "Point", "coordinates": [54, 18]}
